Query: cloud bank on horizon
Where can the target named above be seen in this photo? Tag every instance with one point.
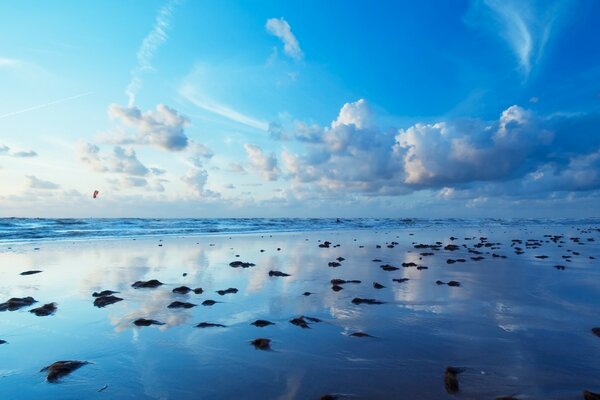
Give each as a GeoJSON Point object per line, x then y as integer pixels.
{"type": "Point", "coordinates": [490, 113]}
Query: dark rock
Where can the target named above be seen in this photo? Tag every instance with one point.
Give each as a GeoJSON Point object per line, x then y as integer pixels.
{"type": "Point", "coordinates": [30, 272]}
{"type": "Point", "coordinates": [261, 344]}
{"type": "Point", "coordinates": [387, 267]}
{"type": "Point", "coordinates": [106, 300]}
{"type": "Point", "coordinates": [180, 304]}
{"type": "Point", "coordinates": [306, 293]}
{"type": "Point", "coordinates": [400, 280]}
{"type": "Point", "coordinates": [337, 281]}
{"type": "Point", "coordinates": [541, 257]}
{"type": "Point", "coordinates": [182, 290]}
{"type": "Point", "coordinates": [261, 323]}
{"type": "Point", "coordinates": [3, 341]}
{"type": "Point", "coordinates": [353, 281]}
{"type": "Point", "coordinates": [560, 267]}
{"type": "Point", "coordinates": [104, 293]}
{"type": "Point", "coordinates": [450, 261]}
{"type": "Point", "coordinates": [360, 334]}
{"type": "Point", "coordinates": [440, 283]}
{"type": "Point", "coordinates": [453, 283]}
{"type": "Point", "coordinates": [238, 264]}
{"type": "Point", "coordinates": [146, 322]}
{"type": "Point", "coordinates": [334, 264]}
{"type": "Point", "coordinates": [587, 395]}
{"type": "Point", "coordinates": [57, 370]}
{"type": "Point", "coordinates": [45, 310]}
{"type": "Point", "coordinates": [198, 290]}
{"type": "Point", "coordinates": [152, 283]}
{"type": "Point", "coordinates": [15, 303]}
{"type": "Point", "coordinates": [209, 325]}
{"type": "Point", "coordinates": [358, 300]}
{"type": "Point", "coordinates": [408, 264]}
{"type": "Point", "coordinates": [451, 379]}
{"type": "Point", "coordinates": [596, 331]}
{"type": "Point", "coordinates": [278, 273]}
{"type": "Point", "coordinates": [377, 285]}
{"type": "Point", "coordinates": [209, 302]}
{"type": "Point", "coordinates": [478, 258]}
{"type": "Point", "coordinates": [451, 247]}
{"type": "Point", "coordinates": [376, 260]}
{"type": "Point", "coordinates": [299, 322]}
{"type": "Point", "coordinates": [336, 288]}
{"type": "Point", "coordinates": [422, 267]}
{"type": "Point", "coordinates": [227, 291]}
{"type": "Point", "coordinates": [340, 259]}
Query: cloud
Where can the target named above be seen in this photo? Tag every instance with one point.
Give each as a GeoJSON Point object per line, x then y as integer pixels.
{"type": "Point", "coordinates": [188, 92]}
{"type": "Point", "coordinates": [520, 149]}
{"type": "Point", "coordinates": [281, 29]}
{"type": "Point", "coordinates": [236, 168]}
{"type": "Point", "coordinates": [44, 105]}
{"type": "Point", "coordinates": [122, 160]}
{"type": "Point", "coordinates": [265, 164]}
{"type": "Point", "coordinates": [6, 151]}
{"type": "Point", "coordinates": [149, 46]}
{"type": "Point", "coordinates": [36, 183]}
{"type": "Point", "coordinates": [163, 128]}
{"type": "Point", "coordinates": [525, 26]}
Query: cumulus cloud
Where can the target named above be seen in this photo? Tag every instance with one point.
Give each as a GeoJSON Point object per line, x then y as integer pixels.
{"type": "Point", "coordinates": [280, 28]}
{"type": "Point", "coordinates": [259, 161]}
{"type": "Point", "coordinates": [520, 149]}
{"type": "Point", "coordinates": [34, 182]}
{"type": "Point", "coordinates": [163, 128]}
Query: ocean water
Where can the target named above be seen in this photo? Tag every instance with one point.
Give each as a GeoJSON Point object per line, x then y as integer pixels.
{"type": "Point", "coordinates": [23, 229]}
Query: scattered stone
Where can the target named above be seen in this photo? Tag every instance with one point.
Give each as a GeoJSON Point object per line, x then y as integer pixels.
{"type": "Point", "coordinates": [57, 370]}
{"type": "Point", "coordinates": [360, 334]}
{"type": "Point", "coordinates": [104, 301]}
{"type": "Point", "coordinates": [587, 395]}
{"type": "Point", "coordinates": [453, 283]}
{"type": "Point", "coordinates": [278, 273]}
{"type": "Point", "coordinates": [209, 302]}
{"type": "Point", "coordinates": [541, 257]}
{"type": "Point", "coordinates": [3, 341]}
{"type": "Point", "coordinates": [261, 323]}
{"type": "Point", "coordinates": [336, 288]}
{"type": "Point", "coordinates": [209, 325]}
{"type": "Point", "coordinates": [306, 294]}
{"type": "Point", "coordinates": [377, 285]}
{"type": "Point", "coordinates": [299, 322]}
{"type": "Point", "coordinates": [340, 259]}
{"type": "Point", "coordinates": [227, 291]}
{"type": "Point", "coordinates": [451, 379]}
{"type": "Point", "coordinates": [146, 322]}
{"type": "Point", "coordinates": [198, 290]}
{"type": "Point", "coordinates": [152, 283]}
{"type": "Point", "coordinates": [104, 293]}
{"type": "Point", "coordinates": [358, 300]}
{"type": "Point", "coordinates": [560, 267]}
{"type": "Point", "coordinates": [30, 272]}
{"type": "Point", "coordinates": [333, 264]}
{"type": "Point", "coordinates": [596, 331]}
{"type": "Point", "coordinates": [387, 267]}
{"type": "Point", "coordinates": [15, 303]}
{"type": "Point", "coordinates": [408, 264]}
{"type": "Point", "coordinates": [182, 290]}
{"type": "Point", "coordinates": [422, 267]}
{"type": "Point", "coordinates": [180, 304]}
{"type": "Point", "coordinates": [400, 280]}
{"type": "Point", "coordinates": [238, 264]}
{"type": "Point", "coordinates": [261, 344]}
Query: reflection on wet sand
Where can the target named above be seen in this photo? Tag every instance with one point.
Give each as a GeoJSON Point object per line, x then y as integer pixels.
{"type": "Point", "coordinates": [397, 305]}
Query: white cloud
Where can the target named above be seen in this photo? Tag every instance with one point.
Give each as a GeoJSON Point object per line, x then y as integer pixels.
{"type": "Point", "coordinates": [149, 46]}
{"type": "Point", "coordinates": [37, 183]}
{"type": "Point", "coordinates": [281, 29]}
{"type": "Point", "coordinates": [525, 26]}
{"type": "Point", "coordinates": [163, 128]}
{"type": "Point", "coordinates": [6, 151]}
{"type": "Point", "coordinates": [265, 164]}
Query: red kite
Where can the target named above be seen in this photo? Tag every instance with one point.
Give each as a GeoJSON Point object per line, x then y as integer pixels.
{"type": "Point", "coordinates": [95, 194]}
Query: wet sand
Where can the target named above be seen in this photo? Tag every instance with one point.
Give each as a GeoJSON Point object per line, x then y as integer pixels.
{"type": "Point", "coordinates": [515, 318]}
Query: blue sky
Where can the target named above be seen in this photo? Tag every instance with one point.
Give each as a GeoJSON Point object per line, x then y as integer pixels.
{"type": "Point", "coordinates": [218, 109]}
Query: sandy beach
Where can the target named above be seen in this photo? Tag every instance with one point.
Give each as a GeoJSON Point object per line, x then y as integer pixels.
{"type": "Point", "coordinates": [512, 324]}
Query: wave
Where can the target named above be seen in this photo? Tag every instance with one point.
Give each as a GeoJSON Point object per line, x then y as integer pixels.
{"type": "Point", "coordinates": [25, 229]}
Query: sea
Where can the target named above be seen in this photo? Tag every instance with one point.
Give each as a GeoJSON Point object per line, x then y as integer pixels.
{"type": "Point", "coordinates": [25, 229]}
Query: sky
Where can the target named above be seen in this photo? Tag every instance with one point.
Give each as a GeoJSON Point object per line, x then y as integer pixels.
{"type": "Point", "coordinates": [181, 108]}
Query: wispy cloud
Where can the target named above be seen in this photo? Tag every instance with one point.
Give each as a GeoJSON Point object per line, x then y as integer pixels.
{"type": "Point", "coordinates": [525, 26]}
{"type": "Point", "coordinates": [279, 27]}
{"type": "Point", "coordinates": [150, 44]}
{"type": "Point", "coordinates": [43, 105]}
{"type": "Point", "coordinates": [188, 92]}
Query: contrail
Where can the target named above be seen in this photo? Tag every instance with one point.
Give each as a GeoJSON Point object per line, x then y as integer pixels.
{"type": "Point", "coordinates": [10, 114]}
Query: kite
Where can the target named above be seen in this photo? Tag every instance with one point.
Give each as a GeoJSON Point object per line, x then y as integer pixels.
{"type": "Point", "coordinates": [95, 194]}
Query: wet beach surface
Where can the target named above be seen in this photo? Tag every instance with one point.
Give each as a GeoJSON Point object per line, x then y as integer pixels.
{"type": "Point", "coordinates": [513, 313]}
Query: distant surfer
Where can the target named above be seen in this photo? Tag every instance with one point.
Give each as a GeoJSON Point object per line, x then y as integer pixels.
{"type": "Point", "coordinates": [96, 193]}
{"type": "Point", "coordinates": [338, 220]}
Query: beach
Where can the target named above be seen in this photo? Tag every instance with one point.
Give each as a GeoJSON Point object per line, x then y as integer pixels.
{"type": "Point", "coordinates": [516, 322]}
